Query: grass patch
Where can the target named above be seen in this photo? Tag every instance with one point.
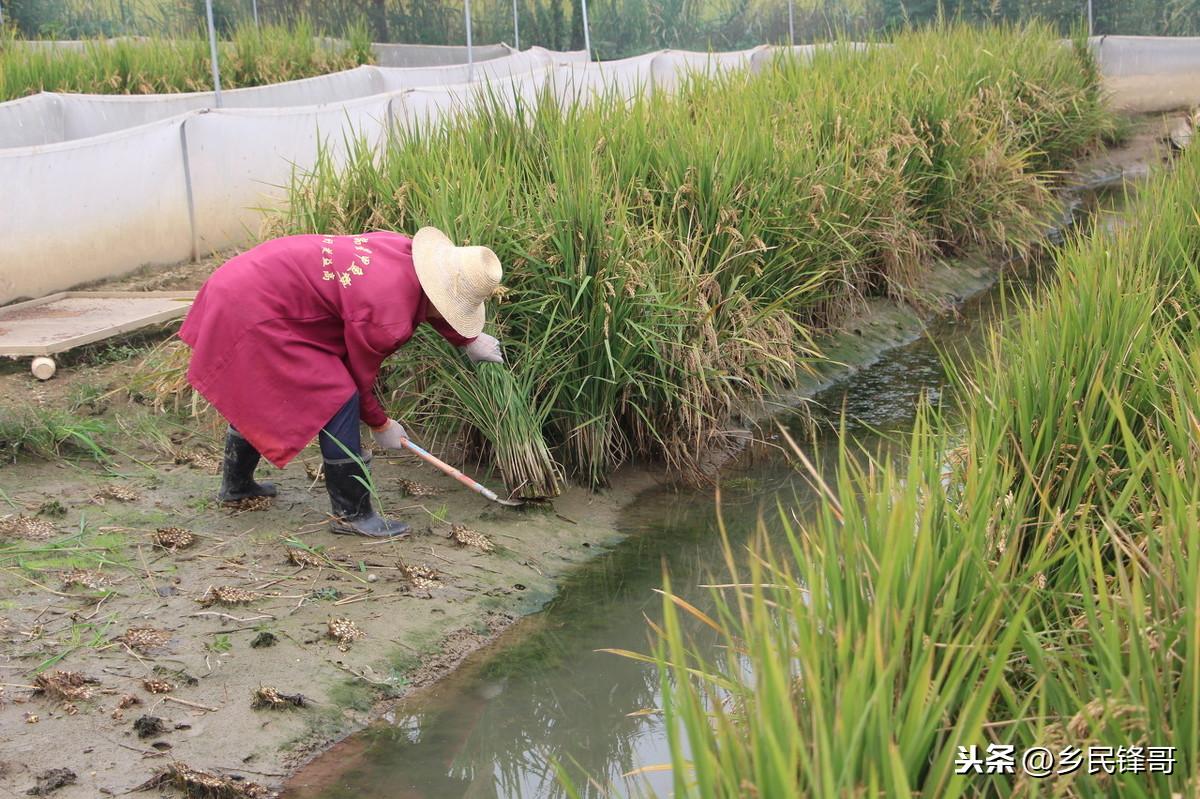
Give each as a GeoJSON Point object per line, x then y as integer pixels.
{"type": "Point", "coordinates": [51, 432]}
{"type": "Point", "coordinates": [352, 695]}
{"type": "Point", "coordinates": [1030, 581]}
{"type": "Point", "coordinates": [669, 259]}
{"type": "Point", "coordinates": [76, 551]}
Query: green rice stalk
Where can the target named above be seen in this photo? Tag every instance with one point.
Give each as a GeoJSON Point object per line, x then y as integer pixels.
{"type": "Point", "coordinates": [1037, 586]}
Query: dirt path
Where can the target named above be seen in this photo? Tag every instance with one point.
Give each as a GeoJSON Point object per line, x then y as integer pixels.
{"type": "Point", "coordinates": [87, 570]}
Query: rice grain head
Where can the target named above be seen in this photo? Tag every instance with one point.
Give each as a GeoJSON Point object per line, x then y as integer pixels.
{"type": "Point", "coordinates": [174, 538]}
{"type": "Point", "coordinates": [144, 639]}
{"type": "Point", "coordinates": [66, 686]}
{"type": "Point", "coordinates": [115, 492]}
{"type": "Point", "coordinates": [466, 537]}
{"type": "Point", "coordinates": [344, 631]}
{"type": "Point", "coordinates": [298, 556]}
{"type": "Point", "coordinates": [412, 488]}
{"type": "Point", "coordinates": [227, 595]}
{"type": "Point", "coordinates": [27, 527]}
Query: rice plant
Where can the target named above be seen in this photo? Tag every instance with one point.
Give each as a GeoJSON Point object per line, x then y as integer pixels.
{"type": "Point", "coordinates": [670, 258]}
{"type": "Point", "coordinates": [1037, 589]}
{"type": "Point", "coordinates": [254, 57]}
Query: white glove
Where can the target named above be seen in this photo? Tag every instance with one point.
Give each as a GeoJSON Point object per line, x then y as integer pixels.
{"type": "Point", "coordinates": [390, 436]}
{"type": "Point", "coordinates": [485, 348]}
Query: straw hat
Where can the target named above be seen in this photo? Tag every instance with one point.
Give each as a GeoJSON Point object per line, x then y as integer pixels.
{"type": "Point", "coordinates": [457, 280]}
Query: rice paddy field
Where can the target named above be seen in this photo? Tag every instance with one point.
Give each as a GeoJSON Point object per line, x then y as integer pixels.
{"type": "Point", "coordinates": [252, 56]}
{"type": "Point", "coordinates": [670, 258]}
{"type": "Point", "coordinates": [1012, 567]}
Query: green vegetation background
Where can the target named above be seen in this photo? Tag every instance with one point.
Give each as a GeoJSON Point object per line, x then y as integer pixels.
{"type": "Point", "coordinates": [618, 27]}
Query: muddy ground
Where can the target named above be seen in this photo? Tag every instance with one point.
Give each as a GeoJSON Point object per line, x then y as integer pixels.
{"type": "Point", "coordinates": [84, 568]}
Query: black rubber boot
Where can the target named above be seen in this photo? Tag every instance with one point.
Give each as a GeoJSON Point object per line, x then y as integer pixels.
{"type": "Point", "coordinates": [351, 500]}
{"type": "Point", "coordinates": [237, 475]}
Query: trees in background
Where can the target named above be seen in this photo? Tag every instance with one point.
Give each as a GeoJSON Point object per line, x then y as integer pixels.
{"type": "Point", "coordinates": [618, 27]}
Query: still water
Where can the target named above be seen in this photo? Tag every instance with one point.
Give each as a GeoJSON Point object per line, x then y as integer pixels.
{"type": "Point", "coordinates": [544, 695]}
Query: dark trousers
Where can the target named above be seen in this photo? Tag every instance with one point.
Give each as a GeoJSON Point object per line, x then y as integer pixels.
{"type": "Point", "coordinates": [340, 438]}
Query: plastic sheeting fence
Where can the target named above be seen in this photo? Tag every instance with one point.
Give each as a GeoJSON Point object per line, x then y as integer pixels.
{"type": "Point", "coordinates": [95, 186]}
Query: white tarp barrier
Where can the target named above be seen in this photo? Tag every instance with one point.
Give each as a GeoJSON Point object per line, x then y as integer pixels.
{"type": "Point", "coordinates": [563, 56]}
{"type": "Point", "coordinates": [669, 66]}
{"type": "Point", "coordinates": [429, 55]}
{"type": "Point", "coordinates": [575, 82]}
{"type": "Point", "coordinates": [96, 114]}
{"type": "Point", "coordinates": [423, 55]}
{"type": "Point", "coordinates": [242, 160]}
{"type": "Point", "coordinates": [81, 115]}
{"type": "Point", "coordinates": [91, 209]}
{"type": "Point", "coordinates": [761, 56]}
{"type": "Point", "coordinates": [1149, 73]}
{"type": "Point", "coordinates": [31, 120]}
{"type": "Point", "coordinates": [497, 69]}
{"type": "Point", "coordinates": [417, 109]}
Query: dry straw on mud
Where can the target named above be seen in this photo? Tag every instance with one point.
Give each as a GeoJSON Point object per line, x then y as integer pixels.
{"type": "Point", "coordinates": [299, 556]}
{"type": "Point", "coordinates": [250, 504]}
{"type": "Point", "coordinates": [144, 639]}
{"type": "Point", "coordinates": [411, 488]}
{"type": "Point", "coordinates": [198, 784]}
{"type": "Point", "coordinates": [466, 537]}
{"type": "Point", "coordinates": [269, 698]}
{"type": "Point", "coordinates": [419, 576]}
{"type": "Point", "coordinates": [29, 528]}
{"type": "Point", "coordinates": [174, 538]}
{"type": "Point", "coordinates": [116, 492]}
{"type": "Point", "coordinates": [66, 686]}
{"type": "Point", "coordinates": [344, 631]}
{"type": "Point", "coordinates": [227, 595]}
{"type": "Point", "coordinates": [88, 578]}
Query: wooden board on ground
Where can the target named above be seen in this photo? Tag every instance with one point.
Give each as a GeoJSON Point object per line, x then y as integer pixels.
{"type": "Point", "coordinates": [68, 319]}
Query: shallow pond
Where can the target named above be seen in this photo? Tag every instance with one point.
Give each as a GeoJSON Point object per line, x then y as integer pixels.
{"type": "Point", "coordinates": [542, 694]}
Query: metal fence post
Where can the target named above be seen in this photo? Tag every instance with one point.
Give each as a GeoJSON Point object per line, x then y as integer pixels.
{"type": "Point", "coordinates": [791, 24]}
{"type": "Point", "coordinates": [470, 51]}
{"type": "Point", "coordinates": [254, 7]}
{"type": "Point", "coordinates": [212, 49]}
{"type": "Point", "coordinates": [1090, 26]}
{"type": "Point", "coordinates": [187, 186]}
{"type": "Point", "coordinates": [587, 34]}
{"type": "Point", "coordinates": [516, 28]}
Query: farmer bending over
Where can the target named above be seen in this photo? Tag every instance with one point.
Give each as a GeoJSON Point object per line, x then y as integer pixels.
{"type": "Point", "coordinates": [288, 338]}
